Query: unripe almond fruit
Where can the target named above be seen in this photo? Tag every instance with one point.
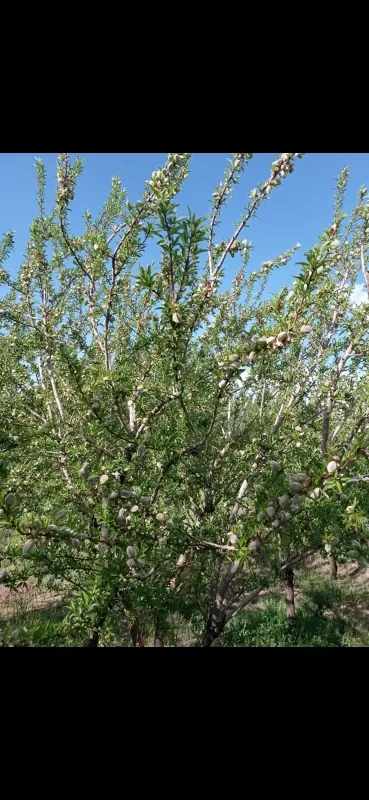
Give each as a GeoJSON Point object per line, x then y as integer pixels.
{"type": "Point", "coordinates": [298, 499]}
{"type": "Point", "coordinates": [295, 487]}
{"type": "Point", "coordinates": [131, 552]}
{"type": "Point", "coordinates": [332, 467]}
{"type": "Point", "coordinates": [29, 545]}
{"type": "Point", "coordinates": [75, 543]}
{"type": "Point", "coordinates": [275, 466]}
{"type": "Point", "coordinates": [300, 477]}
{"type": "Point", "coordinates": [64, 531]}
{"type": "Point", "coordinates": [104, 532]}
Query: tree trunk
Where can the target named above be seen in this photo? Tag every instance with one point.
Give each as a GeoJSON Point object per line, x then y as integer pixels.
{"type": "Point", "coordinates": [213, 629]}
{"type": "Point", "coordinates": [289, 592]}
{"type": "Point", "coordinates": [159, 636]}
{"type": "Point", "coordinates": [93, 641]}
{"type": "Point", "coordinates": [333, 568]}
{"type": "Point", "coordinates": [207, 639]}
{"type": "Point", "coordinates": [136, 634]}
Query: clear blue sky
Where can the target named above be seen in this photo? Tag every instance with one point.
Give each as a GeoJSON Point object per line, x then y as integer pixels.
{"type": "Point", "coordinates": [298, 210]}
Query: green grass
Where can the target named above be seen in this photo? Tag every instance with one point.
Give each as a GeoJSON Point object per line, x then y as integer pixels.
{"type": "Point", "coordinates": [42, 626]}
{"type": "Point", "coordinates": [329, 614]}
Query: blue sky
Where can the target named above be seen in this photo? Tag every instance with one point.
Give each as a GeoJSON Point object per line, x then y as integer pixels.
{"type": "Point", "coordinates": [297, 211]}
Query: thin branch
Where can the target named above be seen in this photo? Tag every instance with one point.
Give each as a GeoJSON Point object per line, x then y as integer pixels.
{"type": "Point", "coordinates": [329, 401]}
{"type": "Point", "coordinates": [244, 602]}
{"type": "Point", "coordinates": [262, 193]}
{"type": "Point", "coordinates": [206, 544]}
{"type": "Point", "coordinates": [262, 400]}
{"type": "Point", "coordinates": [231, 573]}
{"type": "Point", "coordinates": [364, 270]}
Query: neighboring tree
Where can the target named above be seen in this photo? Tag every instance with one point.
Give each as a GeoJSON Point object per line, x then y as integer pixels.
{"type": "Point", "coordinates": [171, 449]}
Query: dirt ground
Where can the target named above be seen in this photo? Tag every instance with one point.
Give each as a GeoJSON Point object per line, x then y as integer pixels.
{"type": "Point", "coordinates": [29, 598]}
{"type": "Point", "coordinates": [358, 577]}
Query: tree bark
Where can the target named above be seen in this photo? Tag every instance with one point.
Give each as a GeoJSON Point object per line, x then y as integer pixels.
{"type": "Point", "coordinates": [289, 592]}
{"type": "Point", "coordinates": [159, 636]}
{"type": "Point", "coordinates": [208, 638]}
{"type": "Point", "coordinates": [333, 568]}
{"type": "Point", "coordinates": [214, 628]}
{"type": "Point", "coordinates": [136, 634]}
{"type": "Point", "coordinates": [93, 641]}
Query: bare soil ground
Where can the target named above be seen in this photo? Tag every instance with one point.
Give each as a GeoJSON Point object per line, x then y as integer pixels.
{"type": "Point", "coordinates": [357, 576]}
{"type": "Point", "coordinates": [30, 598]}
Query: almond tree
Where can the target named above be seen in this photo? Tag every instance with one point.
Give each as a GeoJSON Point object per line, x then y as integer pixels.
{"type": "Point", "coordinates": [170, 448]}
